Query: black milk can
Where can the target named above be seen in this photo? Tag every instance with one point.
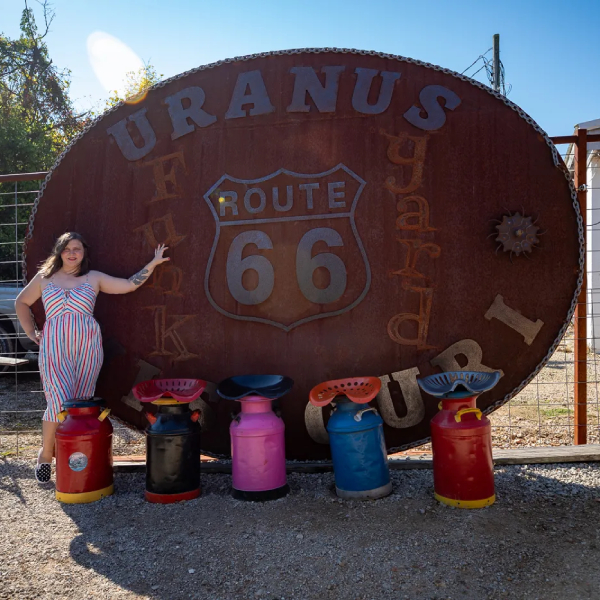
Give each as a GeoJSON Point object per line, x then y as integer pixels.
{"type": "Point", "coordinates": [172, 439]}
{"type": "Point", "coordinates": [172, 453]}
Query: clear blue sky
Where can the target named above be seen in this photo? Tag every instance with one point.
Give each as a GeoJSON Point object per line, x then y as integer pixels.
{"type": "Point", "coordinates": [549, 48]}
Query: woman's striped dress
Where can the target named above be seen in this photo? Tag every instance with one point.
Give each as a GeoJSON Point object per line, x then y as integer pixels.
{"type": "Point", "coordinates": [71, 346]}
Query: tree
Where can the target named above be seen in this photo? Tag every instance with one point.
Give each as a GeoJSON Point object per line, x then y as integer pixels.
{"type": "Point", "coordinates": [37, 121]}
{"type": "Point", "coordinates": [37, 117]}
{"type": "Point", "coordinates": [137, 84]}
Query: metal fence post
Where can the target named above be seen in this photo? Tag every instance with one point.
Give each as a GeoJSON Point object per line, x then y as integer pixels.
{"type": "Point", "coordinates": [580, 396]}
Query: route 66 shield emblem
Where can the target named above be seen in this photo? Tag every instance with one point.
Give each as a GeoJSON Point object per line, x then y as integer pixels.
{"type": "Point", "coordinates": [286, 248]}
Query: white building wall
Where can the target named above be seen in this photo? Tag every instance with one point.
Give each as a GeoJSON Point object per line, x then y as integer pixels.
{"type": "Point", "coordinates": [593, 250]}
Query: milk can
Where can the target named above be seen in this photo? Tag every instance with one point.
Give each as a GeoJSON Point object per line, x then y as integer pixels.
{"type": "Point", "coordinates": [356, 437]}
{"type": "Point", "coordinates": [172, 439]}
{"type": "Point", "coordinates": [257, 436]}
{"type": "Point", "coordinates": [461, 439]}
{"type": "Point", "coordinates": [84, 452]}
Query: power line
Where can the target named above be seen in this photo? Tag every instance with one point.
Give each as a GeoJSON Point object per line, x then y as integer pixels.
{"type": "Point", "coordinates": [476, 60]}
{"type": "Point", "coordinates": [489, 71]}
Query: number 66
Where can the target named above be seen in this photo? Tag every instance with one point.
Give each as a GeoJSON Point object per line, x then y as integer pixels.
{"type": "Point", "coordinates": [305, 267]}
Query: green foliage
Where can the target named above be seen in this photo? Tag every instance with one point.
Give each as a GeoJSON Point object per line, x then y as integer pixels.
{"type": "Point", "coordinates": [136, 86]}
{"type": "Point", "coordinates": [555, 412]}
{"type": "Point", "coordinates": [37, 121]}
{"type": "Point", "coordinates": [37, 118]}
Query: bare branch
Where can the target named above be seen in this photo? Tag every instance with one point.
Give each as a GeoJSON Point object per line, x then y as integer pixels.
{"type": "Point", "coordinates": [48, 15]}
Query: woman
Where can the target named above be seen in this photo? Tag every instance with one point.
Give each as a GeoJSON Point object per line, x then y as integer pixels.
{"type": "Point", "coordinates": [70, 344]}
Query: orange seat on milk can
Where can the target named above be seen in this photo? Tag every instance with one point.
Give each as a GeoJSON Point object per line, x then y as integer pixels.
{"type": "Point", "coordinates": [355, 437]}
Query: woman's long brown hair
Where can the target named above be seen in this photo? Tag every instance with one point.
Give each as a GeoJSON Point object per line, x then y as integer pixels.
{"type": "Point", "coordinates": [54, 262]}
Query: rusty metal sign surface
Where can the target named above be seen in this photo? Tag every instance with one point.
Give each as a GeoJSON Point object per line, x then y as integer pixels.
{"type": "Point", "coordinates": [328, 213]}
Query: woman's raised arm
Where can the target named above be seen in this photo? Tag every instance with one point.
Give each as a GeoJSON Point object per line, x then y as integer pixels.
{"type": "Point", "coordinates": [117, 285]}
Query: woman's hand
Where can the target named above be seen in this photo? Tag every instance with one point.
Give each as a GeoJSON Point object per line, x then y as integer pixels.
{"type": "Point", "coordinates": [35, 336]}
{"type": "Point", "coordinates": [116, 285]}
{"type": "Point", "coordinates": [158, 255]}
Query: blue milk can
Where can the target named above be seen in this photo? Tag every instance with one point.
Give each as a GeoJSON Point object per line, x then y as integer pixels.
{"type": "Point", "coordinates": [356, 438]}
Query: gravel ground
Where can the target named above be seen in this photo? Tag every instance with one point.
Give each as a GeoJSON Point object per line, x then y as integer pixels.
{"type": "Point", "coordinates": [540, 540]}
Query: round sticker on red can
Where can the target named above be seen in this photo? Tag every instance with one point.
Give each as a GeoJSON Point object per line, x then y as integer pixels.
{"type": "Point", "coordinates": [78, 461]}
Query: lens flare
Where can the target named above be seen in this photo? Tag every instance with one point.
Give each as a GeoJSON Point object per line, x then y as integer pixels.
{"type": "Point", "coordinates": [137, 99]}
{"type": "Point", "coordinates": [111, 60]}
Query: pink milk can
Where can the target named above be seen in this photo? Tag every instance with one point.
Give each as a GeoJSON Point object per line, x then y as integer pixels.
{"type": "Point", "coordinates": [257, 436]}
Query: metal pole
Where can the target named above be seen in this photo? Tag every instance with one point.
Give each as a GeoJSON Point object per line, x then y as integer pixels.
{"type": "Point", "coordinates": [580, 398]}
{"type": "Point", "coordinates": [496, 63]}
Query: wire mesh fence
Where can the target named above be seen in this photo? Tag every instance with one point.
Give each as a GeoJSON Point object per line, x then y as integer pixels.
{"type": "Point", "coordinates": [543, 414]}
{"type": "Point", "coordinates": [540, 415]}
{"type": "Point", "coordinates": [22, 401]}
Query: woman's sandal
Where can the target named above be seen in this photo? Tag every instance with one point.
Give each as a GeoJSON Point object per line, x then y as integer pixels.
{"type": "Point", "coordinates": [43, 471]}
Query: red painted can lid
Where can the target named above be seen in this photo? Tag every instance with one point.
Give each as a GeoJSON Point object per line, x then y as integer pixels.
{"type": "Point", "coordinates": [181, 390]}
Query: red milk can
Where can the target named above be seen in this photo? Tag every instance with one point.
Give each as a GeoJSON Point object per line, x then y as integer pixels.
{"type": "Point", "coordinates": [463, 470]}
{"type": "Point", "coordinates": [83, 453]}
{"type": "Point", "coordinates": [461, 439]}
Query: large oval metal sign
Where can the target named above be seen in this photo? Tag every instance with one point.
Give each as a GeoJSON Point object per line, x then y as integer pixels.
{"type": "Point", "coordinates": [328, 214]}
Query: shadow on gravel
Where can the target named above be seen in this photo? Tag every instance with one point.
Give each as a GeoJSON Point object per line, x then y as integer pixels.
{"type": "Point", "coordinates": [136, 545]}
{"type": "Point", "coordinates": [540, 541]}
{"type": "Point", "coordinates": [206, 547]}
{"type": "Point", "coordinates": [9, 481]}
{"type": "Point", "coordinates": [546, 481]}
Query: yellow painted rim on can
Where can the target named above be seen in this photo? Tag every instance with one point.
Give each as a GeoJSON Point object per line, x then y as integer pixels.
{"type": "Point", "coordinates": [85, 497]}
{"type": "Point", "coordinates": [466, 503]}
{"type": "Point", "coordinates": [165, 401]}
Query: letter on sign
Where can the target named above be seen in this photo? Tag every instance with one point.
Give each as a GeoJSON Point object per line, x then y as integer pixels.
{"type": "Point", "coordinates": [253, 81]}
{"type": "Point", "coordinates": [125, 142]}
{"type": "Point", "coordinates": [436, 115]}
{"type": "Point", "coordinates": [181, 117]}
{"type": "Point", "coordinates": [415, 409]}
{"type": "Point", "coordinates": [325, 97]}
{"type": "Point", "coordinates": [528, 329]}
{"type": "Point", "coordinates": [315, 425]}
{"type": "Point", "coordinates": [363, 87]}
{"type": "Point", "coordinates": [446, 360]}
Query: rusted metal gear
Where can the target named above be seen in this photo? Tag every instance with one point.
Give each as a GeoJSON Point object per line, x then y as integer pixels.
{"type": "Point", "coordinates": [517, 234]}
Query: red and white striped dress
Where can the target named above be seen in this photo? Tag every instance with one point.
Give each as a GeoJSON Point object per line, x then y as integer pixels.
{"type": "Point", "coordinates": [71, 347]}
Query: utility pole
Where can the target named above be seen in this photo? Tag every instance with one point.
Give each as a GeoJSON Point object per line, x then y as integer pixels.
{"type": "Point", "coordinates": [496, 64]}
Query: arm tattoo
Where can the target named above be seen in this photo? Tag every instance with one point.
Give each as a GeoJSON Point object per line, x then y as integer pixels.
{"type": "Point", "coordinates": [139, 277]}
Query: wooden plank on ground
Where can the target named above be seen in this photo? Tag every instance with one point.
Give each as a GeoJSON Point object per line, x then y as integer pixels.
{"type": "Point", "coordinates": [12, 362]}
{"type": "Point", "coordinates": [513, 456]}
{"type": "Point", "coordinates": [556, 454]}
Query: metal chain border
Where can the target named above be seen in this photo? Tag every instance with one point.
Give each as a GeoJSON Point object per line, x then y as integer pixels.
{"type": "Point", "coordinates": [558, 162]}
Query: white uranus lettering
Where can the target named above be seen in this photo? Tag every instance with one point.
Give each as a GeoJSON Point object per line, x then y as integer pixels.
{"type": "Point", "coordinates": [182, 118]}
{"type": "Point", "coordinates": [257, 96]}
{"type": "Point", "coordinates": [123, 138]}
{"type": "Point", "coordinates": [364, 82]}
{"type": "Point", "coordinates": [307, 82]}
{"type": "Point", "coordinates": [436, 115]}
